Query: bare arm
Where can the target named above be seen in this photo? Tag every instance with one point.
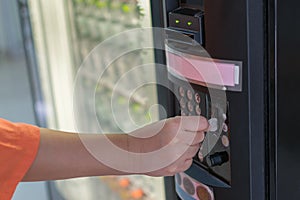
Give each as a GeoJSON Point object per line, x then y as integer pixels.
{"type": "Point", "coordinates": [63, 155]}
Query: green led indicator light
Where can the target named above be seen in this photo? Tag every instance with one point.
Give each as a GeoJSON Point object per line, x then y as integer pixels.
{"type": "Point", "coordinates": [189, 23]}
{"type": "Point", "coordinates": [177, 21]}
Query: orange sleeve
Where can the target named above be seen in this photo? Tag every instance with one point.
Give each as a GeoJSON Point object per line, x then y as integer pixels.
{"type": "Point", "coordinates": [18, 148]}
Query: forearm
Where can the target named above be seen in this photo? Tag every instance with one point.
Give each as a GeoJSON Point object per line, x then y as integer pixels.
{"type": "Point", "coordinates": [62, 155]}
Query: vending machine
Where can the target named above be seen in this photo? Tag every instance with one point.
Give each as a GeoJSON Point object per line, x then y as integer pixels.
{"type": "Point", "coordinates": [234, 62]}
{"type": "Point", "coordinates": [236, 65]}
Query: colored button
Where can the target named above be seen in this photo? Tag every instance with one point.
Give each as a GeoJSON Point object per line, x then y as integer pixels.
{"type": "Point", "coordinates": [182, 103]}
{"type": "Point", "coordinates": [198, 110]}
{"type": "Point", "coordinates": [213, 124]}
{"type": "Point", "coordinates": [225, 141]}
{"type": "Point", "coordinates": [197, 98]}
{"type": "Point", "coordinates": [181, 91]}
{"type": "Point", "coordinates": [190, 106]}
{"type": "Point", "coordinates": [189, 94]}
{"type": "Point", "coordinates": [188, 186]}
{"type": "Point", "coordinates": [225, 127]}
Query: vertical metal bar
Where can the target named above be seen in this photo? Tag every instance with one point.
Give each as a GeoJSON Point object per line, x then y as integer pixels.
{"type": "Point", "coordinates": [256, 97]}
{"type": "Point", "coordinates": [270, 35]}
{"type": "Point", "coordinates": [164, 96]}
{"type": "Point", "coordinates": [32, 66]}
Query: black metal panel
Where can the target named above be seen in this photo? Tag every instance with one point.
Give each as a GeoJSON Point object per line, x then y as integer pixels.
{"type": "Point", "coordinates": [192, 3]}
{"type": "Point", "coordinates": [288, 96]}
{"type": "Point", "coordinates": [236, 30]}
{"type": "Point", "coordinates": [224, 23]}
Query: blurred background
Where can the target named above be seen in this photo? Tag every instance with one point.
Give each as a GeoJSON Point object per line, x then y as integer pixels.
{"type": "Point", "coordinates": [42, 45]}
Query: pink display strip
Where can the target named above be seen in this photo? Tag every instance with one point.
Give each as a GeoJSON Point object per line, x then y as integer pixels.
{"type": "Point", "coordinates": [203, 70]}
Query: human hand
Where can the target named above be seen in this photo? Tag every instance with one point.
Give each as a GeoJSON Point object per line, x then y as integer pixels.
{"type": "Point", "coordinates": [175, 142]}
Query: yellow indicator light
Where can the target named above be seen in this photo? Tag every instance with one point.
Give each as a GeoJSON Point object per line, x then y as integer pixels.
{"type": "Point", "coordinates": [177, 21]}
{"type": "Point", "coordinates": [189, 23]}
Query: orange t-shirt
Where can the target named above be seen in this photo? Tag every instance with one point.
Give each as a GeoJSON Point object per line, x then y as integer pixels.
{"type": "Point", "coordinates": [18, 147]}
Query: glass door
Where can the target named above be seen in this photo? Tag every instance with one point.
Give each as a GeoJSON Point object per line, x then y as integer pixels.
{"type": "Point", "coordinates": [67, 34]}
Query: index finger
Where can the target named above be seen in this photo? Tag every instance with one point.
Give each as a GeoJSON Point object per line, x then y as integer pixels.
{"type": "Point", "coordinates": [194, 123]}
